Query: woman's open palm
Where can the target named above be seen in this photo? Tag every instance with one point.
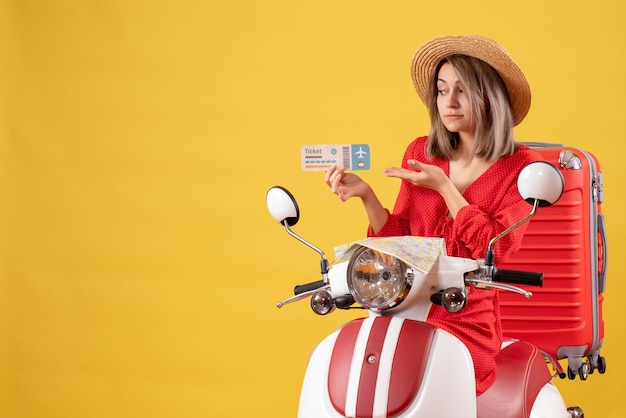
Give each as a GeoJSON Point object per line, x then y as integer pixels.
{"type": "Point", "coordinates": [424, 175]}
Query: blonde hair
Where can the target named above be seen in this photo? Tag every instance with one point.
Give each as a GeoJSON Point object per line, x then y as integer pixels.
{"type": "Point", "coordinates": [489, 101]}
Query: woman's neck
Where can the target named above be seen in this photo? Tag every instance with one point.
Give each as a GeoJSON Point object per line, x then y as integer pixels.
{"type": "Point", "coordinates": [465, 150]}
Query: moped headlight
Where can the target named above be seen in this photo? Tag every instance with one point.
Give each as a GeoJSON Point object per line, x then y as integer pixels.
{"type": "Point", "coordinates": [376, 280]}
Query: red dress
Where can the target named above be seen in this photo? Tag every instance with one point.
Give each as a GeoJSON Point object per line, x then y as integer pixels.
{"type": "Point", "coordinates": [495, 204]}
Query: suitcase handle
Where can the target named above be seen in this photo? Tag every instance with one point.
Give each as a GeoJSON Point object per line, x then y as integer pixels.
{"type": "Point", "coordinates": [518, 277]}
{"type": "Point", "coordinates": [535, 145]}
{"type": "Point", "coordinates": [602, 233]}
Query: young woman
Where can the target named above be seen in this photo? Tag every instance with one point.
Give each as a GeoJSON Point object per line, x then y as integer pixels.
{"type": "Point", "coordinates": [460, 182]}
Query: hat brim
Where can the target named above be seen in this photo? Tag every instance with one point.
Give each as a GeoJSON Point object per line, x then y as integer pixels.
{"type": "Point", "coordinates": [429, 55]}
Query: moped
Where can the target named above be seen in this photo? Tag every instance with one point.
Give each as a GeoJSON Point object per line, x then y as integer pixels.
{"type": "Point", "coordinates": [393, 363]}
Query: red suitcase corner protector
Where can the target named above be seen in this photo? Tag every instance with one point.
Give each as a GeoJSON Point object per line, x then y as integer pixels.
{"type": "Point", "coordinates": [567, 242]}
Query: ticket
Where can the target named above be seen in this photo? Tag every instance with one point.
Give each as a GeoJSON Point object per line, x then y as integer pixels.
{"type": "Point", "coordinates": [349, 156]}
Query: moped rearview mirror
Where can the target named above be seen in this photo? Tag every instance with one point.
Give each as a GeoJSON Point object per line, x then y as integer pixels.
{"type": "Point", "coordinates": [540, 181]}
{"type": "Point", "coordinates": [282, 206]}
{"type": "Point", "coordinates": [284, 209]}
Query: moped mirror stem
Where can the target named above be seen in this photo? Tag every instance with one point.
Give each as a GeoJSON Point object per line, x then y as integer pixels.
{"type": "Point", "coordinates": [489, 257]}
{"type": "Point", "coordinates": [324, 263]}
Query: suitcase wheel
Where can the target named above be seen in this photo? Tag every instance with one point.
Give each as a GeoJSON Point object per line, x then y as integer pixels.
{"type": "Point", "coordinates": [596, 362]}
{"type": "Point", "coordinates": [592, 364]}
{"type": "Point", "coordinates": [601, 364]}
{"type": "Point", "coordinates": [582, 372]}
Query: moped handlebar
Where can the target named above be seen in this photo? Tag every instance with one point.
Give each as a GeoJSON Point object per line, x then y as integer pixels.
{"type": "Point", "coordinates": [518, 277]}
{"type": "Point", "coordinates": [303, 288]}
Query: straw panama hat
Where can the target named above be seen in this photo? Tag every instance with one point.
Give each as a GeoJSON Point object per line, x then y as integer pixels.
{"type": "Point", "coordinates": [429, 55]}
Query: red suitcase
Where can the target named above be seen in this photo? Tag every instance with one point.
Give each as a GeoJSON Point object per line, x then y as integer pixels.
{"type": "Point", "coordinates": [567, 242]}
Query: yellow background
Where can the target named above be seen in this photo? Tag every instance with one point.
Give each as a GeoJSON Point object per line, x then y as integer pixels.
{"type": "Point", "coordinates": [139, 267]}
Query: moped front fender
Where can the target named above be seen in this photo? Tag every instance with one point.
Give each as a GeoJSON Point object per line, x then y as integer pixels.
{"type": "Point", "coordinates": [389, 367]}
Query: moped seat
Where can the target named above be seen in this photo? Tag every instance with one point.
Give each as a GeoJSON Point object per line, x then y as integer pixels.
{"type": "Point", "coordinates": [522, 372]}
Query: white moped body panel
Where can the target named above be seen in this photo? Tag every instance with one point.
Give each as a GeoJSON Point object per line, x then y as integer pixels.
{"type": "Point", "coordinates": [448, 388]}
{"type": "Point", "coordinates": [549, 403]}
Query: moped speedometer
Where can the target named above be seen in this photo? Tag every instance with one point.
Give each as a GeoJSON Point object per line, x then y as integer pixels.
{"type": "Point", "coordinates": [376, 280]}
